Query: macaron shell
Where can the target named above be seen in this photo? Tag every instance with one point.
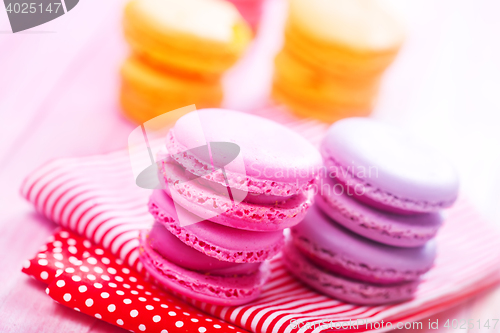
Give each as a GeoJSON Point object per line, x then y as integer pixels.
{"type": "Point", "coordinates": [342, 288]}
{"type": "Point", "coordinates": [389, 167]}
{"type": "Point", "coordinates": [215, 240]}
{"type": "Point", "coordinates": [269, 150]}
{"type": "Point", "coordinates": [339, 249]}
{"type": "Point", "coordinates": [291, 68]}
{"type": "Point", "coordinates": [180, 254]}
{"type": "Point", "coordinates": [184, 37]}
{"type": "Point", "coordinates": [317, 89]}
{"type": "Point", "coordinates": [377, 225]}
{"type": "Point", "coordinates": [251, 10]}
{"type": "Point", "coordinates": [221, 290]}
{"type": "Point", "coordinates": [203, 201]}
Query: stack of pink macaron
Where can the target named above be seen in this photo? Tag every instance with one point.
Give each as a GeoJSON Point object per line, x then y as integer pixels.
{"type": "Point", "coordinates": [233, 182]}
{"type": "Point", "coordinates": [370, 236]}
{"type": "Point", "coordinates": [251, 10]}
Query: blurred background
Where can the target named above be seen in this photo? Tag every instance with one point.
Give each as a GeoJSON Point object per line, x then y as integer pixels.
{"type": "Point", "coordinates": [59, 88]}
{"type": "Point", "coordinates": [59, 84]}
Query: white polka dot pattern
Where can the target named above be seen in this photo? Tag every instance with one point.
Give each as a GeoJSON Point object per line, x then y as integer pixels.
{"type": "Point", "coordinates": [105, 289]}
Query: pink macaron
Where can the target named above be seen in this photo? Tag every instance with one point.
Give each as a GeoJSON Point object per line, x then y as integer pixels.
{"type": "Point", "coordinates": [251, 10]}
{"type": "Point", "coordinates": [192, 274]}
{"type": "Point", "coordinates": [378, 225]}
{"type": "Point", "coordinates": [388, 169]}
{"type": "Point", "coordinates": [256, 175]}
{"type": "Point", "coordinates": [334, 252]}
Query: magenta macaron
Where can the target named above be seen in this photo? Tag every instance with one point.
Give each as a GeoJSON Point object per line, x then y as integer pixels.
{"type": "Point", "coordinates": [251, 10]}
{"type": "Point", "coordinates": [191, 274]}
{"type": "Point", "coordinates": [380, 226]}
{"type": "Point", "coordinates": [205, 261]}
{"type": "Point", "coordinates": [388, 169]}
{"type": "Point", "coordinates": [344, 265]}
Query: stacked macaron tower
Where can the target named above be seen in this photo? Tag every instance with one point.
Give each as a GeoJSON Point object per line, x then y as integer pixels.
{"type": "Point", "coordinates": [179, 51]}
{"type": "Point", "coordinates": [334, 54]}
{"type": "Point", "coordinates": [233, 182]}
{"type": "Point", "coordinates": [370, 235]}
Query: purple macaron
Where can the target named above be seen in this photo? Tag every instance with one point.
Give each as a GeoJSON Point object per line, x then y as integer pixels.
{"type": "Point", "coordinates": [272, 163]}
{"type": "Point", "coordinates": [384, 167]}
{"type": "Point", "coordinates": [333, 252]}
{"type": "Point", "coordinates": [380, 226]}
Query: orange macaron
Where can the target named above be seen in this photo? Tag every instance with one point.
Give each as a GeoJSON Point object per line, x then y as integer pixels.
{"type": "Point", "coordinates": [198, 36]}
{"type": "Point", "coordinates": [148, 92]}
{"type": "Point", "coordinates": [179, 52]}
{"type": "Point", "coordinates": [334, 55]}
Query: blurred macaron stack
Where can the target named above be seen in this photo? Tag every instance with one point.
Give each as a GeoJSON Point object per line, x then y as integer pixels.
{"type": "Point", "coordinates": [370, 236]}
{"type": "Point", "coordinates": [334, 55]}
{"type": "Point", "coordinates": [179, 51]}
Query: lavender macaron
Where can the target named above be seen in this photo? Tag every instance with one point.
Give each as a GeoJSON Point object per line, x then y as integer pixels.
{"type": "Point", "coordinates": [349, 267]}
{"type": "Point", "coordinates": [387, 169]}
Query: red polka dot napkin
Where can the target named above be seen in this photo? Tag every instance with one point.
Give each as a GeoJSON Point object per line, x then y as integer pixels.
{"type": "Point", "coordinates": [91, 280]}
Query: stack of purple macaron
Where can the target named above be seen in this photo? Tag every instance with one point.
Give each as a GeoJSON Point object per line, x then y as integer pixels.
{"type": "Point", "coordinates": [233, 182]}
{"type": "Point", "coordinates": [370, 236]}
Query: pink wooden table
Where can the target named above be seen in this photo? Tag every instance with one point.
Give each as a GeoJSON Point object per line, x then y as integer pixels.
{"type": "Point", "coordinates": [58, 88]}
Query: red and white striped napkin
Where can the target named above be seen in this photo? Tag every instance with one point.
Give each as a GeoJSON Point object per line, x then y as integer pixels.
{"type": "Point", "coordinates": [96, 197]}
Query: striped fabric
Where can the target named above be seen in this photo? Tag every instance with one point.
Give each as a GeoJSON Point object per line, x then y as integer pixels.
{"type": "Point", "coordinates": [97, 198]}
